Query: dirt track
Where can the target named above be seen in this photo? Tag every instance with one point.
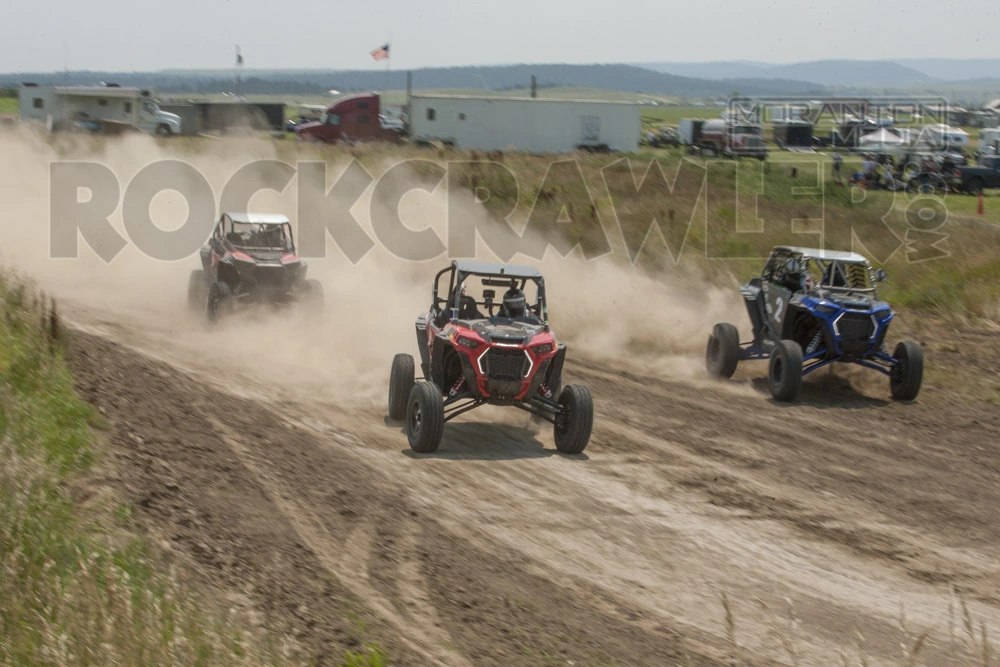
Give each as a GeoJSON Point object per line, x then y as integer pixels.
{"type": "Point", "coordinates": [837, 526]}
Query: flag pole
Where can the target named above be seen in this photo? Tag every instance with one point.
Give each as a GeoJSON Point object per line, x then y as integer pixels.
{"type": "Point", "coordinates": [388, 65]}
{"type": "Point", "coordinates": [239, 73]}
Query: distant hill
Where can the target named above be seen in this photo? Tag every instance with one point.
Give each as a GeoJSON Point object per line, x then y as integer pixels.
{"type": "Point", "coordinates": [626, 78]}
{"type": "Point", "coordinates": [946, 69]}
{"type": "Point", "coordinates": [820, 72]}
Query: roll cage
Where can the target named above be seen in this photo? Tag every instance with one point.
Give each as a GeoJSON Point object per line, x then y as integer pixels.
{"type": "Point", "coordinates": [506, 276]}
{"type": "Point", "coordinates": [254, 233]}
{"type": "Point", "coordinates": [822, 273]}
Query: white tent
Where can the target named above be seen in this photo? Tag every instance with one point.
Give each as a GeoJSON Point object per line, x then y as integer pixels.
{"type": "Point", "coordinates": [880, 140]}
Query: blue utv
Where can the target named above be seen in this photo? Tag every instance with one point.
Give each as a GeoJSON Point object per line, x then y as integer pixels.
{"type": "Point", "coordinates": [810, 308]}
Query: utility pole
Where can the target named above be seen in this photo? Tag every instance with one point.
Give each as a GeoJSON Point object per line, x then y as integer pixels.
{"type": "Point", "coordinates": [239, 73]}
{"type": "Point", "coordinates": [534, 86]}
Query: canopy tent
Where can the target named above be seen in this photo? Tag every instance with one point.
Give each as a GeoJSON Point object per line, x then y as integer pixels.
{"type": "Point", "coordinates": [880, 139]}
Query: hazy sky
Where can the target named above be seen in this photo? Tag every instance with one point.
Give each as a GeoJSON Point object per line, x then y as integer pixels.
{"type": "Point", "coordinates": [128, 35]}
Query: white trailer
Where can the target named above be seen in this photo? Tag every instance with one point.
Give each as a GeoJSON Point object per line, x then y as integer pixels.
{"type": "Point", "coordinates": [524, 123]}
{"type": "Point", "coordinates": [989, 138]}
{"type": "Point", "coordinates": [102, 107]}
{"type": "Point", "coordinates": [944, 135]}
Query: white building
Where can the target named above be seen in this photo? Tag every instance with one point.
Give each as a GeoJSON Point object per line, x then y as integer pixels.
{"type": "Point", "coordinates": [524, 124]}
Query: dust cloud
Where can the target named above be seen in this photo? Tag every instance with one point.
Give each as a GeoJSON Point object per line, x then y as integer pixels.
{"type": "Point", "coordinates": [604, 309]}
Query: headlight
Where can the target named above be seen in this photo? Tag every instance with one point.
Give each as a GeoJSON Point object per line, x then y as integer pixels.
{"type": "Point", "coordinates": [544, 348]}
{"type": "Point", "coordinates": [468, 342]}
{"type": "Point", "coordinates": [883, 315]}
{"type": "Point", "coordinates": [826, 310]}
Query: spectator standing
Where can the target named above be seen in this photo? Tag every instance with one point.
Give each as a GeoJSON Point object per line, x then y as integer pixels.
{"type": "Point", "coordinates": [868, 169]}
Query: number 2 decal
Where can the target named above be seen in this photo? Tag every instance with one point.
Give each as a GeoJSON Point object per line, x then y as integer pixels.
{"type": "Point", "coordinates": [779, 309]}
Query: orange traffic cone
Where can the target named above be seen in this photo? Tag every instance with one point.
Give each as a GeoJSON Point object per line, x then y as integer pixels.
{"type": "Point", "coordinates": [979, 208]}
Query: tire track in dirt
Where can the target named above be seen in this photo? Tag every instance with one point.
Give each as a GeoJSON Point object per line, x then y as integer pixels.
{"type": "Point", "coordinates": [692, 489]}
{"type": "Point", "coordinates": [338, 513]}
{"type": "Point", "coordinates": [348, 560]}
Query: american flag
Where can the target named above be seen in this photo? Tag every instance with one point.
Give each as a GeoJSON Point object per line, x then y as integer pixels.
{"type": "Point", "coordinates": [382, 52]}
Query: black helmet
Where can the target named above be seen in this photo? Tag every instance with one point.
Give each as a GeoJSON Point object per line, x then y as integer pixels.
{"type": "Point", "coordinates": [514, 303]}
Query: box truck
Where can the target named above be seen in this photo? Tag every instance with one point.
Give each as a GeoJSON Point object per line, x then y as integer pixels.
{"type": "Point", "coordinates": [722, 137]}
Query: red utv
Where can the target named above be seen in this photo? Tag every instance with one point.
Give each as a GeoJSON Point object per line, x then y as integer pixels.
{"type": "Point", "coordinates": [251, 259]}
{"type": "Point", "coordinates": [487, 352]}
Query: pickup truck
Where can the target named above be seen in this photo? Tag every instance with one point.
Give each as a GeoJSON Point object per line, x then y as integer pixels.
{"type": "Point", "coordinates": [973, 180]}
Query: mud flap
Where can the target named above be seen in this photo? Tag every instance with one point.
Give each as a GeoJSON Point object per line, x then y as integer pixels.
{"type": "Point", "coordinates": [436, 364]}
{"type": "Point", "coordinates": [554, 378]}
{"type": "Point", "coordinates": [425, 360]}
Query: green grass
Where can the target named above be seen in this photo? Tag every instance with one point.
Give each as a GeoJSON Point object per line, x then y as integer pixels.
{"type": "Point", "coordinates": [74, 587]}
{"type": "Point", "coordinates": [672, 114]}
{"type": "Point", "coordinates": [369, 657]}
{"type": "Point", "coordinates": [79, 584]}
{"type": "Point", "coordinates": [8, 105]}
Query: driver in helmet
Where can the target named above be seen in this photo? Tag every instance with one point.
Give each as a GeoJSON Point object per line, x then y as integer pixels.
{"type": "Point", "coordinates": [515, 306]}
{"type": "Point", "coordinates": [514, 303]}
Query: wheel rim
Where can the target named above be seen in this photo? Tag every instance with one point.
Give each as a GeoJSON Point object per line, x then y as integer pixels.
{"type": "Point", "coordinates": [899, 372]}
{"type": "Point", "coordinates": [562, 422]}
{"type": "Point", "coordinates": [416, 417]}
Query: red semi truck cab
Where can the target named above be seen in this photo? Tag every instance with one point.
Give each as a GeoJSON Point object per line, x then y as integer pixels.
{"type": "Point", "coordinates": [351, 118]}
{"type": "Point", "coordinates": [734, 140]}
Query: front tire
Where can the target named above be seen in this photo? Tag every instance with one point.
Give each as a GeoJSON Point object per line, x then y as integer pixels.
{"type": "Point", "coordinates": [220, 301]}
{"type": "Point", "coordinates": [723, 351]}
{"type": "Point", "coordinates": [424, 417]}
{"type": "Point", "coordinates": [908, 373]}
{"type": "Point", "coordinates": [784, 373]}
{"type": "Point", "coordinates": [164, 130]}
{"type": "Point", "coordinates": [572, 430]}
{"type": "Point", "coordinates": [400, 385]}
{"type": "Point", "coordinates": [974, 186]}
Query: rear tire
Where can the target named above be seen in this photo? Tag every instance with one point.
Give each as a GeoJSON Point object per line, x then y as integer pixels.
{"type": "Point", "coordinates": [974, 186]}
{"type": "Point", "coordinates": [572, 431]}
{"type": "Point", "coordinates": [400, 385]}
{"type": "Point", "coordinates": [908, 373]}
{"type": "Point", "coordinates": [196, 290]}
{"type": "Point", "coordinates": [784, 373]}
{"type": "Point", "coordinates": [723, 352]}
{"type": "Point", "coordinates": [424, 417]}
{"type": "Point", "coordinates": [220, 301]}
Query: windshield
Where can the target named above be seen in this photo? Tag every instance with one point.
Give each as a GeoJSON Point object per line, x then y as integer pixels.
{"type": "Point", "coordinates": [483, 297]}
{"type": "Point", "coordinates": [257, 235]}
